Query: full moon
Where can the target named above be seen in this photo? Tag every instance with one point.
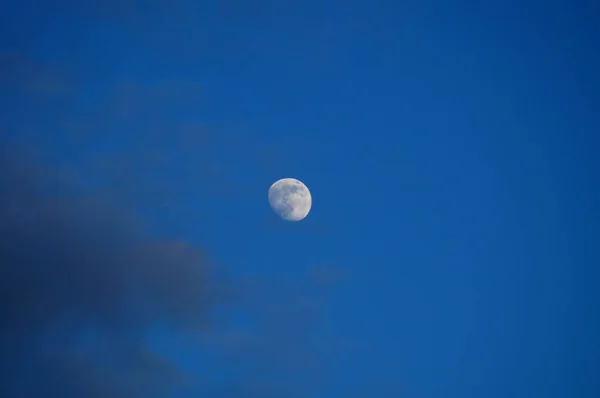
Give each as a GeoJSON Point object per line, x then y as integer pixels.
{"type": "Point", "coordinates": [290, 199]}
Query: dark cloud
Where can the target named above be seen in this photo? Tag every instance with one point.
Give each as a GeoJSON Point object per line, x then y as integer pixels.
{"type": "Point", "coordinates": [80, 284]}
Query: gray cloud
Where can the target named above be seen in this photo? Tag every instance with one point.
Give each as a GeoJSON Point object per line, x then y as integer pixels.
{"type": "Point", "coordinates": [80, 283]}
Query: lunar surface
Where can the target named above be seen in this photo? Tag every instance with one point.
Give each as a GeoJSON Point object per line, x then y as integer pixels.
{"type": "Point", "coordinates": [290, 199]}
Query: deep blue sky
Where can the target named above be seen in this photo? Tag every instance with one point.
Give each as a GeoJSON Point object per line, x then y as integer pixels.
{"type": "Point", "coordinates": [451, 151]}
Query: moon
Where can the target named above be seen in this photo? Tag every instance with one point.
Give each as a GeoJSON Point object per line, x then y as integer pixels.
{"type": "Point", "coordinates": [290, 199]}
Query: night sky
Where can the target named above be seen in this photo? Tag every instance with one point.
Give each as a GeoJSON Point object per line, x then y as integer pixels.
{"type": "Point", "coordinates": [451, 149]}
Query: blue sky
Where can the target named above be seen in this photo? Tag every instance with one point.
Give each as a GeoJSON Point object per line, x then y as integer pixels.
{"type": "Point", "coordinates": [450, 148]}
